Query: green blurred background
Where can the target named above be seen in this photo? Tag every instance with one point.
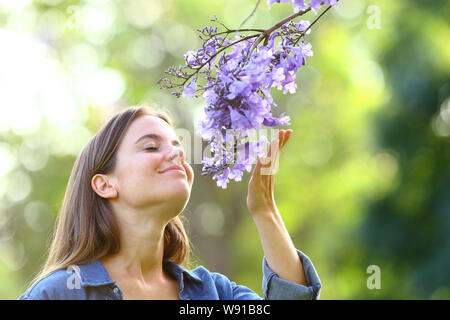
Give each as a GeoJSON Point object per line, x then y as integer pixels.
{"type": "Point", "coordinates": [364, 179]}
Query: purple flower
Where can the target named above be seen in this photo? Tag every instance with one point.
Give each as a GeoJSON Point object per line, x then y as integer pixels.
{"type": "Point", "coordinates": [278, 74]}
{"type": "Point", "coordinates": [290, 87]}
{"type": "Point", "coordinates": [330, 2]}
{"type": "Point", "coordinates": [222, 179]}
{"type": "Point", "coordinates": [315, 5]}
{"type": "Point", "coordinates": [283, 120]}
{"type": "Point", "coordinates": [237, 88]}
{"type": "Point", "coordinates": [210, 96]}
{"type": "Point", "coordinates": [302, 26]}
{"type": "Point", "coordinates": [236, 172]}
{"type": "Point", "coordinates": [238, 120]}
{"type": "Point", "coordinates": [189, 89]}
{"type": "Point", "coordinates": [299, 5]}
{"type": "Point", "coordinates": [190, 58]}
{"type": "Point", "coordinates": [306, 49]}
{"type": "Point", "coordinates": [300, 53]}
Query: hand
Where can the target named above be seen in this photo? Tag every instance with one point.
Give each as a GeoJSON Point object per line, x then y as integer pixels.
{"type": "Point", "coordinates": [260, 198]}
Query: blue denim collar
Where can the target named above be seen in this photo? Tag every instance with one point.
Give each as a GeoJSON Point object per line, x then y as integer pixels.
{"type": "Point", "coordinates": [178, 271]}
{"type": "Point", "coordinates": [95, 274]}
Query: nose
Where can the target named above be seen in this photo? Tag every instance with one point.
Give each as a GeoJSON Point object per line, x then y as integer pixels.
{"type": "Point", "coordinates": [177, 152]}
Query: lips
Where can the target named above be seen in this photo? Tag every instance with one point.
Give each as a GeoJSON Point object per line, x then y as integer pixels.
{"type": "Point", "coordinates": [174, 167]}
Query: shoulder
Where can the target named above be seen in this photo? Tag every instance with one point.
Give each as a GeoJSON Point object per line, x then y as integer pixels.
{"type": "Point", "coordinates": [225, 288]}
{"type": "Point", "coordinates": [204, 274]}
{"type": "Point", "coordinates": [213, 284]}
{"type": "Point", "coordinates": [56, 285]}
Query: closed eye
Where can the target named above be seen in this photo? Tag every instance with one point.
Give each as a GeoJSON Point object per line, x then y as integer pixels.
{"type": "Point", "coordinates": [152, 148]}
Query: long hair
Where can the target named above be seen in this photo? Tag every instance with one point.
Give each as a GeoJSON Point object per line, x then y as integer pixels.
{"type": "Point", "coordinates": [85, 229]}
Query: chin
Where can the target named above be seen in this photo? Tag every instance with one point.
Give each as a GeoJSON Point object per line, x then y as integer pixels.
{"type": "Point", "coordinates": [177, 205]}
{"type": "Point", "coordinates": [179, 195]}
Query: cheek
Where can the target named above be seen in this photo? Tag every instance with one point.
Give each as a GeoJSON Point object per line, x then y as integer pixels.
{"type": "Point", "coordinates": [140, 166]}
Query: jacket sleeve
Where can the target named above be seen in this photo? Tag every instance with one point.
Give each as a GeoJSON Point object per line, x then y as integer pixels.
{"type": "Point", "coordinates": [276, 288]}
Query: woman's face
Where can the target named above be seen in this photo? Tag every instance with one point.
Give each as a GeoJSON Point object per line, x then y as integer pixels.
{"type": "Point", "coordinates": [149, 147]}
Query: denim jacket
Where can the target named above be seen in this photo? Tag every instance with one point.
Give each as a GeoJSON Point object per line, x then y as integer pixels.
{"type": "Point", "coordinates": [91, 282]}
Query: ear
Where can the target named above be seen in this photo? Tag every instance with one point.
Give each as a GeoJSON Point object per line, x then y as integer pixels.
{"type": "Point", "coordinates": [101, 184]}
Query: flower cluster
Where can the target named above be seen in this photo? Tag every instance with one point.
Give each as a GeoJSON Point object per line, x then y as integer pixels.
{"type": "Point", "coordinates": [235, 76]}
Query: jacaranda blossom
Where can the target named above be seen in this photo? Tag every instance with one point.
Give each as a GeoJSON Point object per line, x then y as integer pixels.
{"type": "Point", "coordinates": [235, 77]}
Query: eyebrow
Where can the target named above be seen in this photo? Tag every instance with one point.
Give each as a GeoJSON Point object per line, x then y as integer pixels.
{"type": "Point", "coordinates": [156, 137]}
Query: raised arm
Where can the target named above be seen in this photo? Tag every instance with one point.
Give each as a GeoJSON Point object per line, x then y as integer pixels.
{"type": "Point", "coordinates": [280, 252]}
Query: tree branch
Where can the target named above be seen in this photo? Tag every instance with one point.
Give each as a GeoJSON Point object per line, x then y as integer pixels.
{"type": "Point", "coordinates": [315, 20]}
{"type": "Point", "coordinates": [267, 32]}
{"type": "Point", "coordinates": [215, 54]}
{"type": "Point", "coordinates": [251, 14]}
{"type": "Point", "coordinates": [264, 33]}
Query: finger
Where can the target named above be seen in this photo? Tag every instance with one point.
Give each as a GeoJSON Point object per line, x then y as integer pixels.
{"type": "Point", "coordinates": [287, 136]}
{"type": "Point", "coordinates": [274, 152]}
{"type": "Point", "coordinates": [275, 147]}
{"type": "Point", "coordinates": [270, 163]}
{"type": "Point", "coordinates": [263, 163]}
{"type": "Point", "coordinates": [282, 138]}
{"type": "Point", "coordinates": [273, 144]}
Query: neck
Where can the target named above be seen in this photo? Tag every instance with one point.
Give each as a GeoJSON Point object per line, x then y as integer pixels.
{"type": "Point", "coordinates": [141, 246]}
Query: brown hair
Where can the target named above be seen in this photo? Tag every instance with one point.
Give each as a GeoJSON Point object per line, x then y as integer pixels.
{"type": "Point", "coordinates": [85, 229]}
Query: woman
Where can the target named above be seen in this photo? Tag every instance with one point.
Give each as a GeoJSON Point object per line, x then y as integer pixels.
{"type": "Point", "coordinates": [118, 234]}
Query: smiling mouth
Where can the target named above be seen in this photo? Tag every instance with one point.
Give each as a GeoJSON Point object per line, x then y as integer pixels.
{"type": "Point", "coordinates": [175, 170]}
